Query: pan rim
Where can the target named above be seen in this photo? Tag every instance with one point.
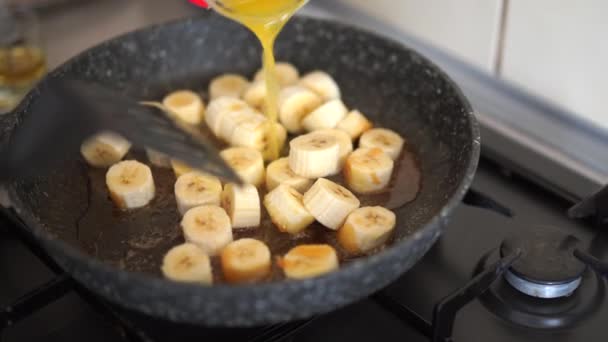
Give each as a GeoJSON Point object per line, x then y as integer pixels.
{"type": "Point", "coordinates": [222, 290]}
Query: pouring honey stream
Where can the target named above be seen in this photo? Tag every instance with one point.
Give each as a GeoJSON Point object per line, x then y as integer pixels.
{"type": "Point", "coordinates": [266, 19]}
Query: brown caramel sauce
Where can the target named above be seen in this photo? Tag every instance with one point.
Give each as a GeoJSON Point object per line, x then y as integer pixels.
{"type": "Point", "coordinates": [136, 240]}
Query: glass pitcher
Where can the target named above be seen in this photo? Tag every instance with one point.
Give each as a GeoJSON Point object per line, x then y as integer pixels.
{"type": "Point", "coordinates": [22, 60]}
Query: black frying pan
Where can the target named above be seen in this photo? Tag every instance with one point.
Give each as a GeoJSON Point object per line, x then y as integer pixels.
{"type": "Point", "coordinates": [112, 253]}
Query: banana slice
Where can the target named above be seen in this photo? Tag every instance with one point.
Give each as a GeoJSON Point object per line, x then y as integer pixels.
{"type": "Point", "coordinates": [131, 184]}
{"type": "Point", "coordinates": [242, 205]}
{"type": "Point", "coordinates": [218, 108]}
{"type": "Point", "coordinates": [295, 103]}
{"type": "Point", "coordinates": [326, 116]}
{"type": "Point", "coordinates": [245, 261]}
{"type": "Point", "coordinates": [231, 120]}
{"type": "Point", "coordinates": [158, 159]}
{"type": "Point", "coordinates": [286, 209]}
{"type": "Point", "coordinates": [187, 263]}
{"type": "Point", "coordinates": [385, 139]}
{"type": "Point", "coordinates": [247, 162]}
{"type": "Point", "coordinates": [314, 155]}
{"type": "Point", "coordinates": [330, 203]}
{"type": "Point", "coordinates": [366, 228]}
{"type": "Point", "coordinates": [368, 170]}
{"type": "Point", "coordinates": [104, 149]}
{"type": "Point", "coordinates": [227, 85]}
{"type": "Point", "coordinates": [255, 133]}
{"type": "Point", "coordinates": [250, 132]}
{"type": "Point", "coordinates": [186, 105]}
{"type": "Point", "coordinates": [208, 227]}
{"type": "Point", "coordinates": [345, 143]}
{"type": "Point", "coordinates": [321, 83]}
{"type": "Point", "coordinates": [194, 188]}
{"type": "Point", "coordinates": [279, 172]}
{"type": "Point", "coordinates": [309, 261]}
{"type": "Point", "coordinates": [255, 94]}
{"type": "Point", "coordinates": [180, 168]}
{"type": "Point", "coordinates": [355, 124]}
{"type": "Point", "coordinates": [286, 73]}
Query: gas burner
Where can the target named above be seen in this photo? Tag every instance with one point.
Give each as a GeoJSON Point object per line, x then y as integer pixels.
{"type": "Point", "coordinates": [510, 303]}
{"type": "Point", "coordinates": [547, 267]}
{"type": "Point", "coordinates": [541, 290]}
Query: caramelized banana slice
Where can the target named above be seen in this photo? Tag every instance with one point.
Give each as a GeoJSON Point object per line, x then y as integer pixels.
{"type": "Point", "coordinates": [287, 74]}
{"type": "Point", "coordinates": [130, 184]}
{"type": "Point", "coordinates": [295, 103]}
{"type": "Point", "coordinates": [327, 115]}
{"type": "Point", "coordinates": [314, 155]}
{"type": "Point", "coordinates": [309, 261]}
{"type": "Point", "coordinates": [242, 205]}
{"type": "Point", "coordinates": [231, 85]}
{"type": "Point", "coordinates": [321, 83]}
{"type": "Point", "coordinates": [286, 209]}
{"type": "Point", "coordinates": [245, 261]}
{"type": "Point", "coordinates": [368, 170]}
{"type": "Point", "coordinates": [187, 263]}
{"type": "Point", "coordinates": [186, 105]}
{"type": "Point", "coordinates": [248, 163]}
{"type": "Point", "coordinates": [194, 188]}
{"type": "Point", "coordinates": [385, 139]}
{"type": "Point", "coordinates": [330, 203]}
{"type": "Point", "coordinates": [278, 172]}
{"type": "Point", "coordinates": [105, 149]}
{"type": "Point", "coordinates": [366, 228]}
{"type": "Point", "coordinates": [208, 227]}
{"type": "Point", "coordinates": [355, 124]}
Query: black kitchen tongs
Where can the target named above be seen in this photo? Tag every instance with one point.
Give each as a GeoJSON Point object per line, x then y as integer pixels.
{"type": "Point", "coordinates": [67, 112]}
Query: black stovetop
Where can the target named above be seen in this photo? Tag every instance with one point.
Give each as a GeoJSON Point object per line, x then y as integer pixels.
{"type": "Point", "coordinates": [402, 312]}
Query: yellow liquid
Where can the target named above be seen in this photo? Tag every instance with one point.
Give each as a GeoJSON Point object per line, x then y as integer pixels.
{"type": "Point", "coordinates": [265, 18]}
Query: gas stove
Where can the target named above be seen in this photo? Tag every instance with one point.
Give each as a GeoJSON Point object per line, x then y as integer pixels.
{"type": "Point", "coordinates": [510, 266]}
{"type": "Point", "coordinates": [507, 248]}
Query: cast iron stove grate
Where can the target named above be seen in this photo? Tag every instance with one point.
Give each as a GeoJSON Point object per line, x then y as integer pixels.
{"type": "Point", "coordinates": [512, 260]}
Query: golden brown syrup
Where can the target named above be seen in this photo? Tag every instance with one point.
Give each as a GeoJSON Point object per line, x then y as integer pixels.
{"type": "Point", "coordinates": [265, 18]}
{"type": "Point", "coordinates": [137, 240]}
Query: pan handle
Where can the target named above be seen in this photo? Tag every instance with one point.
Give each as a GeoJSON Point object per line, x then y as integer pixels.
{"type": "Point", "coordinates": [477, 199]}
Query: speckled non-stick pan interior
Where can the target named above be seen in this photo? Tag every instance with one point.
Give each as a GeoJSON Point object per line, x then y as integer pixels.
{"type": "Point", "coordinates": [393, 85]}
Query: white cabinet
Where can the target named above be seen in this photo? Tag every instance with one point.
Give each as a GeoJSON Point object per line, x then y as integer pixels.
{"type": "Point", "coordinates": [467, 28]}
{"type": "Point", "coordinates": [558, 49]}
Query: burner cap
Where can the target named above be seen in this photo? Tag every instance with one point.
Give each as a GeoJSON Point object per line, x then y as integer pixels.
{"type": "Point", "coordinates": [546, 255]}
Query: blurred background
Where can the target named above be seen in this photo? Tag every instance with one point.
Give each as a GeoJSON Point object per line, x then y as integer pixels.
{"type": "Point", "coordinates": [553, 48]}
{"type": "Point", "coordinates": [535, 71]}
